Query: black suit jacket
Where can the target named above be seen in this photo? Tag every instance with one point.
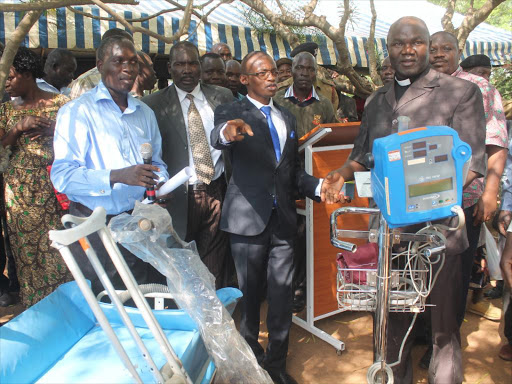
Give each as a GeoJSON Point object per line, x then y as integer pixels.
{"type": "Point", "coordinates": [167, 108]}
{"type": "Point", "coordinates": [257, 177]}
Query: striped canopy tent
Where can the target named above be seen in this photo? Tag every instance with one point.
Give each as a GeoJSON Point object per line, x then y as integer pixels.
{"type": "Point", "coordinates": [63, 28]}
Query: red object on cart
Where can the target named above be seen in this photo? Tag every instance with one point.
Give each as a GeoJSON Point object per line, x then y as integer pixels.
{"type": "Point", "coordinates": [365, 257]}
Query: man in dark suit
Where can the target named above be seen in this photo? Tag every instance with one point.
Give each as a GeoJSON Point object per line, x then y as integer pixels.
{"type": "Point", "coordinates": [259, 208]}
{"type": "Point", "coordinates": [427, 97]}
{"type": "Point", "coordinates": [184, 111]}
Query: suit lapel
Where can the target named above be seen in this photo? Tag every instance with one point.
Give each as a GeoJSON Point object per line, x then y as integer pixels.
{"type": "Point", "coordinates": [175, 113]}
{"type": "Point", "coordinates": [288, 125]}
{"type": "Point", "coordinates": [412, 93]}
{"type": "Point", "coordinates": [425, 83]}
{"type": "Point", "coordinates": [211, 96]}
{"type": "Point", "coordinates": [390, 95]}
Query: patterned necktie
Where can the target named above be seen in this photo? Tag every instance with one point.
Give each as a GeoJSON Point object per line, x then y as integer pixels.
{"type": "Point", "coordinates": [199, 144]}
{"type": "Point", "coordinates": [273, 132]}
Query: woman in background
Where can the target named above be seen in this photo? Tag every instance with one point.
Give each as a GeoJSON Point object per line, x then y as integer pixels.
{"type": "Point", "coordinates": [32, 208]}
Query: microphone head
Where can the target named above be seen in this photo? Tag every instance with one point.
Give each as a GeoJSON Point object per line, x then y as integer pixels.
{"type": "Point", "coordinates": [146, 150]}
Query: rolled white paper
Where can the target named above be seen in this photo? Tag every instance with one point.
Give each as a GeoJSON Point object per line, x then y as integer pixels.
{"type": "Point", "coordinates": [174, 182]}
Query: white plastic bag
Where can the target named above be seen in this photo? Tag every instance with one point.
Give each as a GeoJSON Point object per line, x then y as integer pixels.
{"type": "Point", "coordinates": [493, 256]}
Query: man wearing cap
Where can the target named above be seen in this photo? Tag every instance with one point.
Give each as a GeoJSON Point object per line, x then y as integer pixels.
{"type": "Point", "coordinates": [301, 98]}
{"type": "Point", "coordinates": [284, 69]}
{"type": "Point", "coordinates": [479, 65]}
{"type": "Point", "coordinates": [323, 84]}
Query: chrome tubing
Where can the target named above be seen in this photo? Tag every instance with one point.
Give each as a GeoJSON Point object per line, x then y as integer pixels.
{"type": "Point", "coordinates": [382, 304]}
{"type": "Point", "coordinates": [345, 245]}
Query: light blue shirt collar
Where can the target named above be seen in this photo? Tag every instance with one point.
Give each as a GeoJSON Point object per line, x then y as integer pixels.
{"type": "Point", "coordinates": [102, 93]}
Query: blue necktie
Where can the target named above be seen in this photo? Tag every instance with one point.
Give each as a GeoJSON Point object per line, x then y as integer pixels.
{"type": "Point", "coordinates": [273, 132]}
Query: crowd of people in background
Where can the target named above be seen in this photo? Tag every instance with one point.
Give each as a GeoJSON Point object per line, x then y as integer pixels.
{"type": "Point", "coordinates": [236, 123]}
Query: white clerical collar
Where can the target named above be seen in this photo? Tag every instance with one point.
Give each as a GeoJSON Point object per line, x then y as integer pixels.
{"type": "Point", "coordinates": [403, 83]}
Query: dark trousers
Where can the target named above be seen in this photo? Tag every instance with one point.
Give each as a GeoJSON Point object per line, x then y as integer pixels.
{"type": "Point", "coordinates": [143, 272]}
{"type": "Point", "coordinates": [271, 255]}
{"type": "Point", "coordinates": [508, 321]}
{"type": "Point", "coordinates": [299, 259]}
{"type": "Point", "coordinates": [467, 260]}
{"type": "Point", "coordinates": [446, 364]}
{"type": "Point", "coordinates": [204, 209]}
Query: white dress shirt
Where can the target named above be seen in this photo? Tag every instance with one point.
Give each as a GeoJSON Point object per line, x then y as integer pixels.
{"type": "Point", "coordinates": [206, 112]}
{"type": "Point", "coordinates": [277, 119]}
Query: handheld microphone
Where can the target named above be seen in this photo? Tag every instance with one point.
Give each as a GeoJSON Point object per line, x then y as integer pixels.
{"type": "Point", "coordinates": [146, 150]}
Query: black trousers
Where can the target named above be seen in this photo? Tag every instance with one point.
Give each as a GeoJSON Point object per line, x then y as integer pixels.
{"type": "Point", "coordinates": [143, 272]}
{"type": "Point", "coordinates": [300, 257]}
{"type": "Point", "coordinates": [508, 321]}
{"type": "Point", "coordinates": [467, 260]}
{"type": "Point", "coordinates": [446, 364]}
{"type": "Point", "coordinates": [204, 210]}
{"type": "Point", "coordinates": [271, 255]}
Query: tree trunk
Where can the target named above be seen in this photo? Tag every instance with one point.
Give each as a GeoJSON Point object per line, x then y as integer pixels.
{"type": "Point", "coordinates": [362, 87]}
{"type": "Point", "coordinates": [12, 44]}
{"type": "Point", "coordinates": [374, 74]}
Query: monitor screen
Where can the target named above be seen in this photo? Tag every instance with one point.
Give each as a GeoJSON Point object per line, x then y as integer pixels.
{"type": "Point", "coordinates": [430, 187]}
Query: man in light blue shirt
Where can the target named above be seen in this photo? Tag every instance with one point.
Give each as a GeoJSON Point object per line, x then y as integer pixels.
{"type": "Point", "coordinates": [97, 147]}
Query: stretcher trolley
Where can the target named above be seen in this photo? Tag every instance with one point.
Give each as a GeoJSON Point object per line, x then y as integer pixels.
{"type": "Point", "coordinates": [72, 337]}
{"type": "Point", "coordinates": [416, 178]}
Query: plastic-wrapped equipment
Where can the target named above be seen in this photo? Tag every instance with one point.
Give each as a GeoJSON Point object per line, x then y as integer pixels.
{"type": "Point", "coordinates": [148, 233]}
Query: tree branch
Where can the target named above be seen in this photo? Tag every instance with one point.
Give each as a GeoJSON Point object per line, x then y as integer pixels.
{"type": "Point", "coordinates": [276, 22]}
{"type": "Point", "coordinates": [139, 20]}
{"type": "Point", "coordinates": [446, 20]}
{"type": "Point", "coordinates": [50, 4]}
{"type": "Point", "coordinates": [374, 75]}
{"type": "Point", "coordinates": [280, 6]}
{"type": "Point", "coordinates": [185, 22]}
{"type": "Point", "coordinates": [13, 42]}
{"type": "Point", "coordinates": [168, 40]}
{"type": "Point", "coordinates": [205, 17]}
{"type": "Point", "coordinates": [477, 17]}
{"type": "Point", "coordinates": [310, 8]}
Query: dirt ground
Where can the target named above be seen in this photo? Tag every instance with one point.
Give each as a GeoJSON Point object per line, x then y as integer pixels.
{"type": "Point", "coordinates": [311, 360]}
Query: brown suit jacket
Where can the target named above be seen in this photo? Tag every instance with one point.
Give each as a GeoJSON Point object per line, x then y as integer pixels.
{"type": "Point", "coordinates": [433, 99]}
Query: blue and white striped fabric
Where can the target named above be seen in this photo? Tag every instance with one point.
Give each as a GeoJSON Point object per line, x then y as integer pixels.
{"type": "Point", "coordinates": [62, 28]}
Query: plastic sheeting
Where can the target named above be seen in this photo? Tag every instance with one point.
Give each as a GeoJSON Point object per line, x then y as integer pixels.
{"type": "Point", "coordinates": [148, 233]}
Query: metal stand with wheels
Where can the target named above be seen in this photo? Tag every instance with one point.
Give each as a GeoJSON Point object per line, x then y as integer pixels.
{"type": "Point", "coordinates": [391, 290]}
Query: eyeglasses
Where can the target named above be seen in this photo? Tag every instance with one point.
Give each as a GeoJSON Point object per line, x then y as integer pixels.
{"type": "Point", "coordinates": [263, 75]}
